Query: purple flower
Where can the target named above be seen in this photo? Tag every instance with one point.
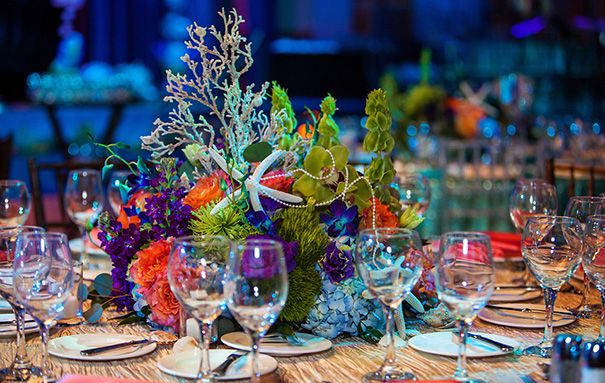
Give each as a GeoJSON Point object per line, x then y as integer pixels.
{"type": "Point", "coordinates": [266, 267]}
{"type": "Point", "coordinates": [341, 221]}
{"type": "Point", "coordinates": [262, 222]}
{"type": "Point", "coordinates": [338, 264]}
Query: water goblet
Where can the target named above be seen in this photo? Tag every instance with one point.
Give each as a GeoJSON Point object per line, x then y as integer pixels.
{"type": "Point", "coordinates": [16, 203]}
{"type": "Point", "coordinates": [257, 290]}
{"type": "Point", "coordinates": [551, 247]}
{"type": "Point", "coordinates": [465, 281]}
{"type": "Point", "coordinates": [414, 191]}
{"type": "Point", "coordinates": [83, 199]}
{"type": "Point", "coordinates": [114, 196]}
{"type": "Point", "coordinates": [42, 281]}
{"type": "Point", "coordinates": [593, 259]}
{"type": "Point", "coordinates": [197, 272]}
{"type": "Point", "coordinates": [21, 368]}
{"type": "Point", "coordinates": [390, 262]}
{"type": "Point", "coordinates": [582, 207]}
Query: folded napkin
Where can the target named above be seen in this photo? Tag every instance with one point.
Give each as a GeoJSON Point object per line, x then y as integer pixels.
{"type": "Point", "coordinates": [505, 245]}
{"type": "Point", "coordinates": [97, 379]}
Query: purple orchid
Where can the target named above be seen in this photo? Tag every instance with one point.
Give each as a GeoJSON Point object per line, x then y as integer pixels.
{"type": "Point", "coordinates": [264, 268]}
{"type": "Point", "coordinates": [338, 264]}
{"type": "Point", "coordinates": [341, 221]}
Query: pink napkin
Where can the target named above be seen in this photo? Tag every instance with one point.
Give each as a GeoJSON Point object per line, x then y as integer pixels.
{"type": "Point", "coordinates": [97, 379]}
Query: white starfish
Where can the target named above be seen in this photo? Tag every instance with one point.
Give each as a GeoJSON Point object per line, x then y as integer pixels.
{"type": "Point", "coordinates": [253, 185]}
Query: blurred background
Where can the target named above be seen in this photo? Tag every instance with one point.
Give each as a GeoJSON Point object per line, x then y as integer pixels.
{"type": "Point", "coordinates": [483, 92]}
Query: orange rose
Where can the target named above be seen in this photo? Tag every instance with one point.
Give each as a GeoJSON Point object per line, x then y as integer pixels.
{"type": "Point", "coordinates": [137, 200]}
{"type": "Point", "coordinates": [162, 302]}
{"type": "Point", "coordinates": [150, 263]}
{"type": "Point", "coordinates": [384, 216]}
{"type": "Point", "coordinates": [207, 189]}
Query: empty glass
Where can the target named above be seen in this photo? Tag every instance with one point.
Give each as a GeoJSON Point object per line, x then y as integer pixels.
{"type": "Point", "coordinates": [14, 203]}
{"type": "Point", "coordinates": [414, 190]}
{"type": "Point", "coordinates": [390, 262]}
{"type": "Point", "coordinates": [197, 272]}
{"type": "Point", "coordinates": [593, 259]}
{"type": "Point", "coordinates": [21, 368]}
{"type": "Point", "coordinates": [257, 289]}
{"type": "Point", "coordinates": [551, 248]}
{"type": "Point", "coordinates": [113, 189]}
{"type": "Point", "coordinates": [43, 280]}
{"type": "Point", "coordinates": [84, 199]}
{"type": "Point", "coordinates": [465, 281]}
{"type": "Point", "coordinates": [582, 207]}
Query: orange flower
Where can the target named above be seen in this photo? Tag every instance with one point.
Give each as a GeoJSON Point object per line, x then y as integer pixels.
{"type": "Point", "coordinates": [136, 200]}
{"type": "Point", "coordinates": [384, 216]}
{"type": "Point", "coordinates": [207, 189]}
{"type": "Point", "coordinates": [162, 302]}
{"type": "Point", "coordinates": [281, 181]}
{"type": "Point", "coordinates": [150, 263]}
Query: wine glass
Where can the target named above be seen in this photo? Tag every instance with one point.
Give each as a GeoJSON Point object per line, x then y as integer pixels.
{"type": "Point", "coordinates": [551, 247]}
{"type": "Point", "coordinates": [593, 259]}
{"type": "Point", "coordinates": [84, 199]}
{"type": "Point", "coordinates": [21, 368]}
{"type": "Point", "coordinates": [531, 197]}
{"type": "Point", "coordinates": [15, 203]}
{"type": "Point", "coordinates": [42, 282]}
{"type": "Point", "coordinates": [113, 189]}
{"type": "Point", "coordinates": [582, 207]}
{"type": "Point", "coordinates": [257, 289]}
{"type": "Point", "coordinates": [414, 191]}
{"type": "Point", "coordinates": [197, 272]}
{"type": "Point", "coordinates": [390, 262]}
{"type": "Point", "coordinates": [465, 281]}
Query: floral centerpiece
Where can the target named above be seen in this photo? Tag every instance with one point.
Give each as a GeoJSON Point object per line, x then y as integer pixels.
{"type": "Point", "coordinates": [243, 172]}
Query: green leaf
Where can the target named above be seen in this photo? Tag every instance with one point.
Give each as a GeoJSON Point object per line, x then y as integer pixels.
{"type": "Point", "coordinates": [121, 145]}
{"type": "Point", "coordinates": [223, 184]}
{"type": "Point", "coordinates": [370, 335]}
{"type": "Point", "coordinates": [134, 318]}
{"type": "Point", "coordinates": [124, 190]}
{"type": "Point", "coordinates": [143, 169]}
{"type": "Point", "coordinates": [82, 292]}
{"type": "Point", "coordinates": [103, 283]}
{"type": "Point", "coordinates": [341, 156]}
{"type": "Point", "coordinates": [106, 168]}
{"type": "Point", "coordinates": [94, 313]}
{"type": "Point", "coordinates": [257, 151]}
{"type": "Point", "coordinates": [317, 158]}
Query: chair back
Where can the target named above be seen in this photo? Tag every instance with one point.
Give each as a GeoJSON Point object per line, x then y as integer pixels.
{"type": "Point", "coordinates": [574, 172]}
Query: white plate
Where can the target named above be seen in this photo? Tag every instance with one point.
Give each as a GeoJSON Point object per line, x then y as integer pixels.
{"type": "Point", "coordinates": [514, 295]}
{"type": "Point", "coordinates": [521, 319]}
{"type": "Point", "coordinates": [69, 347]}
{"type": "Point", "coordinates": [442, 343]}
{"type": "Point", "coordinates": [186, 364]}
{"type": "Point", "coordinates": [76, 246]}
{"type": "Point", "coordinates": [313, 344]}
{"type": "Point", "coordinates": [10, 331]}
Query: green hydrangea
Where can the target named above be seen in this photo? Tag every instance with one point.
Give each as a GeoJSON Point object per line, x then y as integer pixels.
{"type": "Point", "coordinates": [280, 103]}
{"type": "Point", "coordinates": [327, 129]}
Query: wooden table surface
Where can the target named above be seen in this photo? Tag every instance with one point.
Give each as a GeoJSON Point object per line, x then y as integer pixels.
{"type": "Point", "coordinates": [347, 361]}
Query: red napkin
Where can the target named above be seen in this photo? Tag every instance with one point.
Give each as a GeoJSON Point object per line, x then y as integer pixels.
{"type": "Point", "coordinates": [505, 245]}
{"type": "Point", "coordinates": [97, 379]}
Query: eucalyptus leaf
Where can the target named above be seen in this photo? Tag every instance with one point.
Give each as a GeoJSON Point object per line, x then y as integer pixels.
{"type": "Point", "coordinates": [103, 284]}
{"type": "Point", "coordinates": [257, 151]}
{"type": "Point", "coordinates": [94, 313]}
{"type": "Point", "coordinates": [82, 292]}
{"type": "Point", "coordinates": [134, 318]}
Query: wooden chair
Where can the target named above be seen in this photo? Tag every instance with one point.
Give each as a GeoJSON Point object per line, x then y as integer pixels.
{"type": "Point", "coordinates": [6, 151]}
{"type": "Point", "coordinates": [60, 172]}
{"type": "Point", "coordinates": [573, 172]}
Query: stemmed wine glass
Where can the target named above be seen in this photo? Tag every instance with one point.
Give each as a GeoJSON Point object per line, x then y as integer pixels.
{"type": "Point", "coordinates": [415, 191]}
{"type": "Point", "coordinates": [531, 197]}
{"type": "Point", "coordinates": [84, 199]}
{"type": "Point", "coordinates": [113, 189]}
{"type": "Point", "coordinates": [197, 272]}
{"type": "Point", "coordinates": [257, 289]}
{"type": "Point", "coordinates": [390, 262]}
{"type": "Point", "coordinates": [582, 207]}
{"type": "Point", "coordinates": [551, 247]}
{"type": "Point", "coordinates": [465, 281]}
{"type": "Point", "coordinates": [42, 282]}
{"type": "Point", "coordinates": [593, 259]}
{"type": "Point", "coordinates": [16, 203]}
{"type": "Point", "coordinates": [21, 369]}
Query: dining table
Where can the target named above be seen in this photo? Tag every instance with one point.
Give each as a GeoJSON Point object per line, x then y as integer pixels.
{"type": "Point", "coordinates": [347, 361]}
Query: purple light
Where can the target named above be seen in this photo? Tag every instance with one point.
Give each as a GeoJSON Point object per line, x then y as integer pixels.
{"type": "Point", "coordinates": [528, 27]}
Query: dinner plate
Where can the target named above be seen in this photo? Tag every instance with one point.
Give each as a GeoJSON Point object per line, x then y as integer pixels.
{"type": "Point", "coordinates": [76, 246]}
{"type": "Point", "coordinates": [313, 344]}
{"type": "Point", "coordinates": [186, 364]}
{"type": "Point", "coordinates": [69, 347]}
{"type": "Point", "coordinates": [510, 318]}
{"type": "Point", "coordinates": [444, 343]}
{"type": "Point", "coordinates": [514, 295]}
{"type": "Point", "coordinates": [8, 330]}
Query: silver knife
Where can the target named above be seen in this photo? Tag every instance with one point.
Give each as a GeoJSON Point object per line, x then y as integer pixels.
{"type": "Point", "coordinates": [502, 346]}
{"type": "Point", "coordinates": [222, 368]}
{"type": "Point", "coordinates": [98, 350]}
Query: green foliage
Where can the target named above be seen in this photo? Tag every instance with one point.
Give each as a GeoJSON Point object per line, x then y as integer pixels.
{"type": "Point", "coordinates": [257, 152]}
{"type": "Point", "coordinates": [103, 284]}
{"type": "Point", "coordinates": [280, 103]}
{"type": "Point", "coordinates": [410, 218]}
{"type": "Point", "coordinates": [305, 284]}
{"type": "Point", "coordinates": [94, 313]}
{"type": "Point", "coordinates": [303, 226]}
{"type": "Point", "coordinates": [229, 222]}
{"type": "Point", "coordinates": [327, 129]}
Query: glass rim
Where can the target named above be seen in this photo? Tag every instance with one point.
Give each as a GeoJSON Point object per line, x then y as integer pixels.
{"type": "Point", "coordinates": [199, 239]}
{"type": "Point", "coordinates": [40, 228]}
{"type": "Point", "coordinates": [265, 243]}
{"type": "Point", "coordinates": [557, 218]}
{"type": "Point", "coordinates": [47, 234]}
{"type": "Point", "coordinates": [588, 198]}
{"type": "Point", "coordinates": [393, 231]}
{"type": "Point", "coordinates": [462, 233]}
{"type": "Point", "coordinates": [11, 182]}
{"type": "Point", "coordinates": [596, 218]}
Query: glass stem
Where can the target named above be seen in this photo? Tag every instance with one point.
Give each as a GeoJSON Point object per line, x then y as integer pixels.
{"type": "Point", "coordinates": [550, 295]}
{"type": "Point", "coordinates": [21, 359]}
{"type": "Point", "coordinates": [255, 378]}
{"type": "Point", "coordinates": [45, 366]}
{"type": "Point", "coordinates": [585, 292]}
{"type": "Point", "coordinates": [461, 370]}
{"type": "Point", "coordinates": [205, 371]}
{"type": "Point", "coordinates": [602, 329]}
{"type": "Point", "coordinates": [390, 357]}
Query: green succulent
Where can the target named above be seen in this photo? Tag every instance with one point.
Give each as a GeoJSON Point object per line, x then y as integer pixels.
{"type": "Point", "coordinates": [327, 129]}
